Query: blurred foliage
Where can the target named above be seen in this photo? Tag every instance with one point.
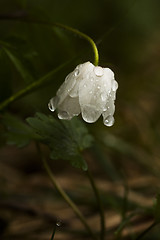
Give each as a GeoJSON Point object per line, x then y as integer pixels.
{"type": "Point", "coordinates": [157, 209]}
{"type": "Point", "coordinates": [127, 35]}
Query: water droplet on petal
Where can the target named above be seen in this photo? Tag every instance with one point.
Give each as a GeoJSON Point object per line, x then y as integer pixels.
{"type": "Point", "coordinates": [98, 71]}
{"type": "Point", "coordinates": [103, 97]}
{"type": "Point", "coordinates": [109, 121]}
{"type": "Point", "coordinates": [98, 87]}
{"type": "Point", "coordinates": [90, 92]}
{"type": "Point", "coordinates": [63, 115]}
{"type": "Point", "coordinates": [90, 113]}
{"type": "Point", "coordinates": [53, 104]}
{"type": "Point", "coordinates": [110, 94]}
{"type": "Point", "coordinates": [58, 223]}
{"type": "Point", "coordinates": [92, 79]}
{"type": "Point", "coordinates": [76, 73]}
{"type": "Point", "coordinates": [114, 85]}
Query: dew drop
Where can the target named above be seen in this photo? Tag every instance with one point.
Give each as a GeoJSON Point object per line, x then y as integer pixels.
{"type": "Point", "coordinates": [114, 85]}
{"type": "Point", "coordinates": [103, 97]}
{"type": "Point", "coordinates": [76, 73]}
{"type": "Point", "coordinates": [63, 115]}
{"type": "Point", "coordinates": [109, 121]}
{"type": "Point", "coordinates": [110, 94]}
{"type": "Point", "coordinates": [98, 87]}
{"type": "Point", "coordinates": [58, 223]}
{"type": "Point", "coordinates": [90, 92]}
{"type": "Point", "coordinates": [98, 71]}
{"type": "Point", "coordinates": [53, 104]}
{"type": "Point", "coordinates": [92, 79]}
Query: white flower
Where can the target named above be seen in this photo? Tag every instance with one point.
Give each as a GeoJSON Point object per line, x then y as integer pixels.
{"type": "Point", "coordinates": [89, 90]}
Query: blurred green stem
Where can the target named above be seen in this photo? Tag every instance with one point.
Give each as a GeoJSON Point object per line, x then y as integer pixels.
{"type": "Point", "coordinates": [99, 202]}
{"type": "Point", "coordinates": [54, 231]}
{"type": "Point", "coordinates": [31, 87]}
{"type": "Point", "coordinates": [59, 25]}
{"type": "Point", "coordinates": [41, 81]}
{"type": "Point", "coordinates": [64, 195]}
{"type": "Point", "coordinates": [83, 35]}
{"type": "Point", "coordinates": [146, 231]}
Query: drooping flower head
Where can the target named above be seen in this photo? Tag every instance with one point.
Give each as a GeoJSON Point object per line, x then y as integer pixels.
{"type": "Point", "coordinates": [89, 90]}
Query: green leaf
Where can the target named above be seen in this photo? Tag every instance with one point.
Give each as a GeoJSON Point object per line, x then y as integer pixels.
{"type": "Point", "coordinates": [23, 71]}
{"type": "Point", "coordinates": [66, 139]}
{"type": "Point", "coordinates": [18, 133]}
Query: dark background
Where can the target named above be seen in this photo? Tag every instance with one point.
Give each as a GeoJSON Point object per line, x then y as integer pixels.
{"type": "Point", "coordinates": [128, 154]}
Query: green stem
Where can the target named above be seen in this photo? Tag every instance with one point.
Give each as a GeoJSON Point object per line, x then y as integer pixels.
{"type": "Point", "coordinates": [146, 231]}
{"type": "Point", "coordinates": [96, 192]}
{"type": "Point", "coordinates": [30, 88]}
{"type": "Point", "coordinates": [62, 26]}
{"type": "Point", "coordinates": [64, 195]}
{"type": "Point", "coordinates": [83, 35]}
{"type": "Point", "coordinates": [41, 81]}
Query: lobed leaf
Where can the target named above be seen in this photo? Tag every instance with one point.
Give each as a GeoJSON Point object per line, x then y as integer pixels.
{"type": "Point", "coordinates": [66, 139]}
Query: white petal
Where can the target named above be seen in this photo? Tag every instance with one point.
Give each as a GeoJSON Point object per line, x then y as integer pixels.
{"type": "Point", "coordinates": [70, 106]}
{"type": "Point", "coordinates": [75, 90]}
{"type": "Point", "coordinates": [79, 74]}
{"type": "Point", "coordinates": [89, 113]}
{"type": "Point", "coordinates": [108, 112]}
{"type": "Point", "coordinates": [94, 91]}
{"type": "Point", "coordinates": [66, 87]}
{"type": "Point", "coordinates": [90, 90]}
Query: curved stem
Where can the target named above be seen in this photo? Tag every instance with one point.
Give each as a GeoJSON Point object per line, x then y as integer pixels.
{"type": "Point", "coordinates": [64, 195]}
{"type": "Point", "coordinates": [53, 234]}
{"type": "Point", "coordinates": [30, 87]}
{"type": "Point", "coordinates": [41, 81]}
{"type": "Point", "coordinates": [62, 26]}
{"type": "Point", "coordinates": [83, 35]}
{"type": "Point", "coordinates": [96, 192]}
{"type": "Point", "coordinates": [146, 231]}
